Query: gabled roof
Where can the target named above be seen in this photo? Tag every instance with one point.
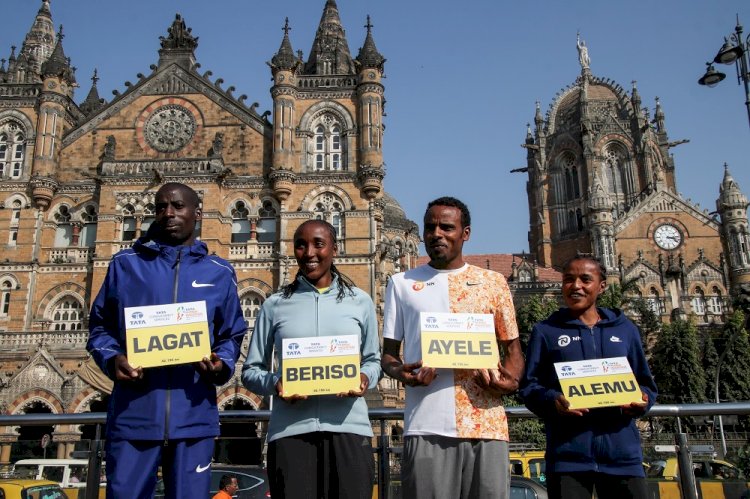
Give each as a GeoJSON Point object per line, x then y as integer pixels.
{"type": "Point", "coordinates": [664, 201]}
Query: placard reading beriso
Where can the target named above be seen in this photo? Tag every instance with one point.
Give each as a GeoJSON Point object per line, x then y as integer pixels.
{"type": "Point", "coordinates": [322, 365]}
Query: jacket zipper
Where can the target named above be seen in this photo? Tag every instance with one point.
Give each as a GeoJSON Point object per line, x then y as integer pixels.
{"type": "Point", "coordinates": [168, 395]}
{"type": "Point", "coordinates": [317, 333]}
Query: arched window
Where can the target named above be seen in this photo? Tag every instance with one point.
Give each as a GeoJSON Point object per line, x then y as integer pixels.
{"type": "Point", "coordinates": [240, 223]}
{"type": "Point", "coordinates": [524, 275]}
{"type": "Point", "coordinates": [716, 302]}
{"type": "Point", "coordinates": [64, 230]}
{"type": "Point", "coordinates": [128, 223]}
{"type": "Point", "coordinates": [654, 301]}
{"type": "Point", "coordinates": [12, 150]}
{"type": "Point", "coordinates": [6, 288]}
{"type": "Point", "coordinates": [149, 215]}
{"type": "Point", "coordinates": [267, 223]}
{"type": "Point", "coordinates": [88, 231]}
{"type": "Point", "coordinates": [328, 145]}
{"type": "Point", "coordinates": [329, 208]}
{"type": "Point", "coordinates": [250, 304]}
{"type": "Point", "coordinates": [67, 315]}
{"type": "Point", "coordinates": [15, 219]}
{"type": "Point", "coordinates": [699, 302]}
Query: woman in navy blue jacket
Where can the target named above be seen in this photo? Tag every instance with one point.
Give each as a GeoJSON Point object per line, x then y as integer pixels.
{"type": "Point", "coordinates": [587, 449]}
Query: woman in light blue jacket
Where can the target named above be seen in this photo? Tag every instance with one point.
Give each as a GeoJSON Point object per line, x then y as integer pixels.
{"type": "Point", "coordinates": [318, 446]}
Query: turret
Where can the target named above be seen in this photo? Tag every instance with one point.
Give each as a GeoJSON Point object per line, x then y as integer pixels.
{"type": "Point", "coordinates": [284, 65]}
{"type": "Point", "coordinates": [601, 223]}
{"type": "Point", "coordinates": [370, 93]}
{"type": "Point", "coordinates": [732, 207]}
{"type": "Point", "coordinates": [93, 102]}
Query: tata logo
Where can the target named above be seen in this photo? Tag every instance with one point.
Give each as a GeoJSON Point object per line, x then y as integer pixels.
{"type": "Point", "coordinates": [567, 371]}
{"type": "Point", "coordinates": [137, 315]}
{"type": "Point", "coordinates": [293, 349]}
{"type": "Point", "coordinates": [431, 320]}
{"type": "Point", "coordinates": [137, 323]}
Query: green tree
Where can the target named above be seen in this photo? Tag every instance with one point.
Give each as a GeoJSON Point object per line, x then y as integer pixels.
{"type": "Point", "coordinates": [616, 294]}
{"type": "Point", "coordinates": [734, 379]}
{"type": "Point", "coordinates": [529, 431]}
{"type": "Point", "coordinates": [532, 311]}
{"type": "Point", "coordinates": [676, 364]}
{"type": "Point", "coordinates": [710, 359]}
{"type": "Point", "coordinates": [649, 324]}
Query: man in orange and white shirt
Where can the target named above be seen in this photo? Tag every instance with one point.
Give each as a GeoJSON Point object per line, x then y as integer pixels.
{"type": "Point", "coordinates": [456, 432]}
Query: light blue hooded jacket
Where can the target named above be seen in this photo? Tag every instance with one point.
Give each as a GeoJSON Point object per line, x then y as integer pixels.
{"type": "Point", "coordinates": [309, 313]}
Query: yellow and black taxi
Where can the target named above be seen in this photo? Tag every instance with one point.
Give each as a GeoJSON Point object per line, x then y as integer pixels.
{"type": "Point", "coordinates": [27, 488]}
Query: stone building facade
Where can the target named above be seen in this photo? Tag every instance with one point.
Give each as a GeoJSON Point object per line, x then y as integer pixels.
{"type": "Point", "coordinates": [77, 184]}
{"type": "Point", "coordinates": [601, 180]}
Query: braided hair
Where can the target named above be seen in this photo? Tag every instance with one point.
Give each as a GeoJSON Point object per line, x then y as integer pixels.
{"type": "Point", "coordinates": [345, 285]}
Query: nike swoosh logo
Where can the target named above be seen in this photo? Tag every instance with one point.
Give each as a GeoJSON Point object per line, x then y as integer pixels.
{"type": "Point", "coordinates": [201, 469]}
{"type": "Point", "coordinates": [201, 285]}
{"type": "Point", "coordinates": [473, 283]}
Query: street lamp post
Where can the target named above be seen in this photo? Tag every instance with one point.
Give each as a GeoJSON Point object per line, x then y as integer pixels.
{"type": "Point", "coordinates": [735, 50]}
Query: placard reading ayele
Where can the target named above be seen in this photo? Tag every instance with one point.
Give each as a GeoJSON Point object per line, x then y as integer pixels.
{"type": "Point", "coordinates": [321, 365]}
{"type": "Point", "coordinates": [588, 384]}
{"type": "Point", "coordinates": [459, 341]}
{"type": "Point", "coordinates": [163, 335]}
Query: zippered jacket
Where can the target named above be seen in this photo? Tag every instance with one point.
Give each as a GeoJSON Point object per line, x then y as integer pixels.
{"type": "Point", "coordinates": [173, 402]}
{"type": "Point", "coordinates": [603, 440]}
{"type": "Point", "coordinates": [309, 313]}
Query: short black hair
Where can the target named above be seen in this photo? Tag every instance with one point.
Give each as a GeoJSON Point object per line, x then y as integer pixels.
{"type": "Point", "coordinates": [191, 195]}
{"type": "Point", "coordinates": [590, 258]}
{"type": "Point", "coordinates": [225, 480]}
{"type": "Point", "coordinates": [455, 203]}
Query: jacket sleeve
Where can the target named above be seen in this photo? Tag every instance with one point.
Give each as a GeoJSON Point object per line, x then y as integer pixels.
{"type": "Point", "coordinates": [370, 347]}
{"type": "Point", "coordinates": [641, 371]}
{"type": "Point", "coordinates": [229, 330]}
{"type": "Point", "coordinates": [257, 374]}
{"type": "Point", "coordinates": [535, 390]}
{"type": "Point", "coordinates": [104, 341]}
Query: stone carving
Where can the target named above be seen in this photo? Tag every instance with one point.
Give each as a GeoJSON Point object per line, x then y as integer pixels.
{"type": "Point", "coordinates": [217, 148]}
{"type": "Point", "coordinates": [169, 128]}
{"type": "Point", "coordinates": [109, 149]}
{"type": "Point", "coordinates": [583, 52]}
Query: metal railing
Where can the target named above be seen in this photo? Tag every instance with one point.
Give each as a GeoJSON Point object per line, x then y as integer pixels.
{"type": "Point", "coordinates": [382, 415]}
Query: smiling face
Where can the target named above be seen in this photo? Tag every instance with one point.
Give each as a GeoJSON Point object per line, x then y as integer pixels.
{"type": "Point", "coordinates": [582, 284]}
{"type": "Point", "coordinates": [444, 237]}
{"type": "Point", "coordinates": [177, 211]}
{"type": "Point", "coordinates": [314, 249]}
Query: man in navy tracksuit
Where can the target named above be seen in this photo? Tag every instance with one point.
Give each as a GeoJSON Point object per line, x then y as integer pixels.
{"type": "Point", "coordinates": [587, 449]}
{"type": "Point", "coordinates": [165, 415]}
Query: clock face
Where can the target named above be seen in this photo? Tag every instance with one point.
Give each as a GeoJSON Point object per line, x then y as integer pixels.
{"type": "Point", "coordinates": [667, 237]}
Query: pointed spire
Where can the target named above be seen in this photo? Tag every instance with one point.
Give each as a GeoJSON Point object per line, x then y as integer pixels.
{"type": "Point", "coordinates": [39, 43]}
{"type": "Point", "coordinates": [368, 56]}
{"type": "Point", "coordinates": [730, 195]}
{"type": "Point", "coordinates": [284, 58]}
{"type": "Point", "coordinates": [92, 102]}
{"type": "Point", "coordinates": [659, 117]}
{"type": "Point", "coordinates": [44, 9]}
{"type": "Point", "coordinates": [12, 57]}
{"type": "Point", "coordinates": [58, 64]}
{"type": "Point", "coordinates": [330, 50]}
{"type": "Point", "coordinates": [179, 45]}
{"type": "Point", "coordinates": [636, 97]}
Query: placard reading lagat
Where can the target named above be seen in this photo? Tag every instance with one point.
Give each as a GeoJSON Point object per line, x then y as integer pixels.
{"type": "Point", "coordinates": [163, 335]}
{"type": "Point", "coordinates": [321, 365]}
{"type": "Point", "coordinates": [459, 341]}
{"type": "Point", "coordinates": [595, 383]}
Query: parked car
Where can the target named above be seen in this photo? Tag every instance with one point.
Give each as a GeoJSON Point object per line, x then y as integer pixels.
{"type": "Point", "coordinates": [70, 474]}
{"type": "Point", "coordinates": [526, 488]}
{"type": "Point", "coordinates": [252, 481]}
{"type": "Point", "coordinates": [529, 464]}
{"type": "Point", "coordinates": [27, 488]}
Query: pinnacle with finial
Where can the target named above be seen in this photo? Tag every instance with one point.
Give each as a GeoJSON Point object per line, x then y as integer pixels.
{"type": "Point", "coordinates": [95, 77]}
{"type": "Point", "coordinates": [369, 25]}
{"type": "Point", "coordinates": [286, 27]}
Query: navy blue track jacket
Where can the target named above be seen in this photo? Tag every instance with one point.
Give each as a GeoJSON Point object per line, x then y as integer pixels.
{"type": "Point", "coordinates": [604, 440]}
{"type": "Point", "coordinates": [172, 402]}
